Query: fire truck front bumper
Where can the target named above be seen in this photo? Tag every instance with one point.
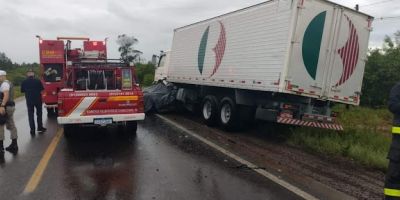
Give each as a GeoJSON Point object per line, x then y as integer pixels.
{"type": "Point", "coordinates": [101, 119]}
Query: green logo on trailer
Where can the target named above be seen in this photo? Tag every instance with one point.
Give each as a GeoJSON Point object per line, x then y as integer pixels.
{"type": "Point", "coordinates": [311, 48]}
{"type": "Point", "coordinates": [219, 49]}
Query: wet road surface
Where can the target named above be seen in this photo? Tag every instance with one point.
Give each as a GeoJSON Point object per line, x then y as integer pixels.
{"type": "Point", "coordinates": [160, 162]}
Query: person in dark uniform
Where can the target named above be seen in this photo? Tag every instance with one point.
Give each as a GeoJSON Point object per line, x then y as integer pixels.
{"type": "Point", "coordinates": [32, 88]}
{"type": "Point", "coordinates": [392, 181]}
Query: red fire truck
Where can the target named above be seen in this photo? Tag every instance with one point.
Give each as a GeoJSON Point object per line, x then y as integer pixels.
{"type": "Point", "coordinates": [54, 56]}
{"type": "Point", "coordinates": [88, 89]}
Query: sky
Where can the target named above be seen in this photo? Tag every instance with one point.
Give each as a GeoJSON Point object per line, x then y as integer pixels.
{"type": "Point", "coordinates": [151, 21]}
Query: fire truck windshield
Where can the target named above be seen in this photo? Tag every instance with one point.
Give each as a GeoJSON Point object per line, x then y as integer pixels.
{"type": "Point", "coordinates": [52, 72]}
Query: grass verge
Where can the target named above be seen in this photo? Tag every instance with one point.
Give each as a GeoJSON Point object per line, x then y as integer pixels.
{"type": "Point", "coordinates": [17, 92]}
{"type": "Point", "coordinates": [366, 138]}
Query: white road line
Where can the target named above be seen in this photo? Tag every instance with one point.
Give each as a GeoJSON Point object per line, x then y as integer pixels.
{"type": "Point", "coordinates": [264, 173]}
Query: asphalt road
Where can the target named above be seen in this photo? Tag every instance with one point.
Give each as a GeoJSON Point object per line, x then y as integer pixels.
{"type": "Point", "coordinates": [159, 162]}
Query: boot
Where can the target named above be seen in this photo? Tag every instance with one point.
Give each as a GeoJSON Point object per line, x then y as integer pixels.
{"type": "Point", "coordinates": [42, 129]}
{"type": "Point", "coordinates": [1, 147]}
{"type": "Point", "coordinates": [13, 146]}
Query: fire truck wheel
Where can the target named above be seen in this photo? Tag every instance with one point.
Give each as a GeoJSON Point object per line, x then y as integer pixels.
{"type": "Point", "coordinates": [52, 112]}
{"type": "Point", "coordinates": [68, 130]}
{"type": "Point", "coordinates": [131, 127]}
{"type": "Point", "coordinates": [128, 128]}
{"type": "Point", "coordinates": [228, 114]}
{"type": "Point", "coordinates": [209, 110]}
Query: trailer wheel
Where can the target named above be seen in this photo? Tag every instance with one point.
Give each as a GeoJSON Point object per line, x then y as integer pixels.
{"type": "Point", "coordinates": [210, 110]}
{"type": "Point", "coordinates": [228, 114]}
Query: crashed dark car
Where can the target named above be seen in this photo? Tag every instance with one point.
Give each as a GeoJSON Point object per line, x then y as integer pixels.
{"type": "Point", "coordinates": [160, 97]}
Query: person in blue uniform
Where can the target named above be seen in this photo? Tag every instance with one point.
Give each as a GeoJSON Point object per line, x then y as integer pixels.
{"type": "Point", "coordinates": [32, 89]}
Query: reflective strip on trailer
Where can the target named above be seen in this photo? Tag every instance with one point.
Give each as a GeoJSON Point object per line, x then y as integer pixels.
{"type": "Point", "coordinates": [298, 122]}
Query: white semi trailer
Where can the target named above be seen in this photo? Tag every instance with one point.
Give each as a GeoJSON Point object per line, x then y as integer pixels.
{"type": "Point", "coordinates": [285, 61]}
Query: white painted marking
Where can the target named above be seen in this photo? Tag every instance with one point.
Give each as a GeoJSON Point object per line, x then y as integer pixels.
{"type": "Point", "coordinates": [83, 105]}
{"type": "Point", "coordinates": [262, 172]}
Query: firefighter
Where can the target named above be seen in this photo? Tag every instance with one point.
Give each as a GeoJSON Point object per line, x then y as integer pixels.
{"type": "Point", "coordinates": [32, 88]}
{"type": "Point", "coordinates": [392, 181]}
{"type": "Point", "coordinates": [7, 106]}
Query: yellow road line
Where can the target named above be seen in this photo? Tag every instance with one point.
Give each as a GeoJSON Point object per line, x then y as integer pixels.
{"type": "Point", "coordinates": [38, 173]}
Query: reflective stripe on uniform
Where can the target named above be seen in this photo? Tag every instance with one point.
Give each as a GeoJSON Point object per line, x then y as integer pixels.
{"type": "Point", "coordinates": [392, 192]}
{"type": "Point", "coordinates": [396, 130]}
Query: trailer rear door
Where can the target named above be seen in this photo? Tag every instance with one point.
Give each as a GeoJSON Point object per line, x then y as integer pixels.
{"type": "Point", "coordinates": [349, 52]}
{"type": "Point", "coordinates": [309, 55]}
{"type": "Point", "coordinates": [328, 52]}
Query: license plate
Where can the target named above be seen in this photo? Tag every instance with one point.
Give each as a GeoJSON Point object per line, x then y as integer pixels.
{"type": "Point", "coordinates": [103, 122]}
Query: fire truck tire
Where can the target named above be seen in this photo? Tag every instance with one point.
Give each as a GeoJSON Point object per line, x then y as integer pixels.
{"type": "Point", "coordinates": [228, 114]}
{"type": "Point", "coordinates": [68, 130]}
{"type": "Point", "coordinates": [128, 128]}
{"type": "Point", "coordinates": [52, 112]}
{"type": "Point", "coordinates": [131, 127]}
{"type": "Point", "coordinates": [209, 110]}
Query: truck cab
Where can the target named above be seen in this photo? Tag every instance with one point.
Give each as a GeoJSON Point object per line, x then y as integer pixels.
{"type": "Point", "coordinates": [161, 66]}
{"type": "Point", "coordinates": [100, 93]}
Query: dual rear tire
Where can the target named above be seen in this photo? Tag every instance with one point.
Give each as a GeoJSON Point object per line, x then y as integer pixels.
{"type": "Point", "coordinates": [222, 112]}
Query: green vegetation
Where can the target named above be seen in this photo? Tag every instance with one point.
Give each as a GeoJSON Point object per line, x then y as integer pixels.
{"type": "Point", "coordinates": [145, 74]}
{"type": "Point", "coordinates": [17, 92]}
{"type": "Point", "coordinates": [366, 138]}
{"type": "Point", "coordinates": [382, 71]}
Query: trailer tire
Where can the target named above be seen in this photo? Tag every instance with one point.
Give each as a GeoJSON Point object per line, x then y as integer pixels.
{"type": "Point", "coordinates": [228, 114]}
{"type": "Point", "coordinates": [209, 110]}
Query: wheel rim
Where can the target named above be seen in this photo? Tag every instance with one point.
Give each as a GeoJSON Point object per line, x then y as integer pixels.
{"type": "Point", "coordinates": [207, 110]}
{"type": "Point", "coordinates": [226, 112]}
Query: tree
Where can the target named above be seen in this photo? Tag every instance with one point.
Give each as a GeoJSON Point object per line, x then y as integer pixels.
{"type": "Point", "coordinates": [382, 71]}
{"type": "Point", "coordinates": [5, 62]}
{"type": "Point", "coordinates": [126, 48]}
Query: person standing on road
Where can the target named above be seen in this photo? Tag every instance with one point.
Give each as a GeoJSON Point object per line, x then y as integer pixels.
{"type": "Point", "coordinates": [7, 107]}
{"type": "Point", "coordinates": [392, 181]}
{"type": "Point", "coordinates": [32, 88]}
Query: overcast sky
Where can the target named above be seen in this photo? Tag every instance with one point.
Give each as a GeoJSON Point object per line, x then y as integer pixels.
{"type": "Point", "coordinates": [151, 21]}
